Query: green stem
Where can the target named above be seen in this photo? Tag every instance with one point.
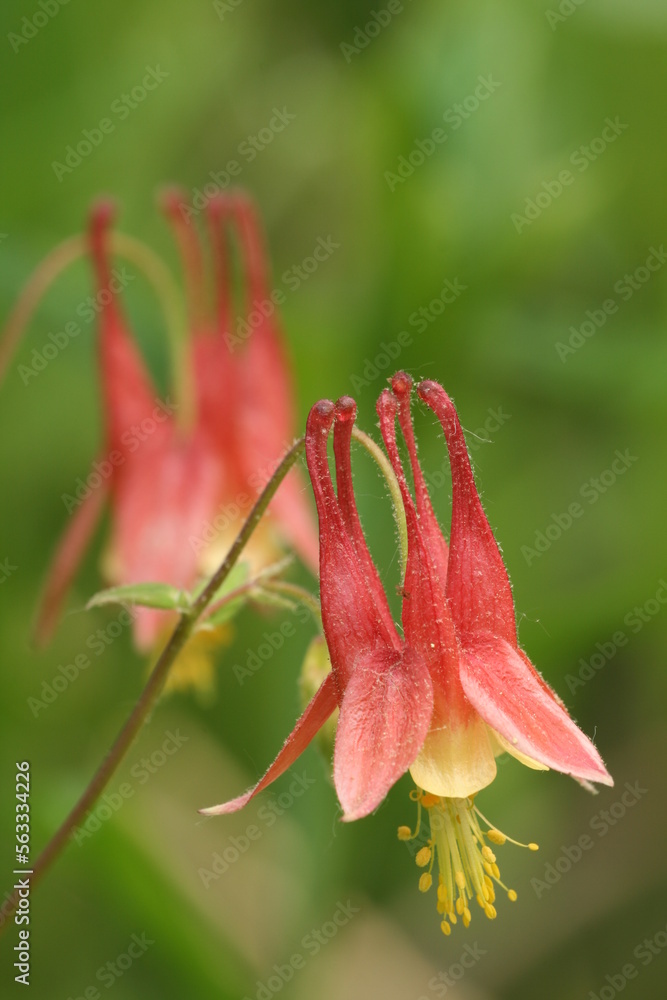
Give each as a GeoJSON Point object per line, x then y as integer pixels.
{"type": "Point", "coordinates": [257, 583]}
{"type": "Point", "coordinates": [157, 274]}
{"type": "Point", "coordinates": [154, 685]}
{"type": "Point", "coordinates": [394, 490]}
{"type": "Point", "coordinates": [300, 593]}
{"type": "Point", "coordinates": [168, 294]}
{"type": "Point", "coordinates": [34, 290]}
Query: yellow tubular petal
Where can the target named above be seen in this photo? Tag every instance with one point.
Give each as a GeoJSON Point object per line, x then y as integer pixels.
{"type": "Point", "coordinates": [504, 744]}
{"type": "Point", "coordinates": [455, 761]}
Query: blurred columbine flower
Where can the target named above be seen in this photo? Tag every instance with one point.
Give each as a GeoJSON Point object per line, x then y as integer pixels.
{"type": "Point", "coordinates": [454, 691]}
{"type": "Point", "coordinates": [180, 474]}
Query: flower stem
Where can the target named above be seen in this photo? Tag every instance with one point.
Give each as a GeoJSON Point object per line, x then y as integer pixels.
{"type": "Point", "coordinates": [394, 490]}
{"type": "Point", "coordinates": [33, 292]}
{"type": "Point", "coordinates": [154, 685]}
{"type": "Point", "coordinates": [299, 593]}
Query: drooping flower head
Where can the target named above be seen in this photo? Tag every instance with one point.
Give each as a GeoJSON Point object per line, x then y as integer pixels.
{"type": "Point", "coordinates": [178, 468]}
{"type": "Point", "coordinates": [450, 694]}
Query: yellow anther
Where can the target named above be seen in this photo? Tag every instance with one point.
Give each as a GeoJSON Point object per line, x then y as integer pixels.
{"type": "Point", "coordinates": [533, 847]}
{"type": "Point", "coordinates": [467, 868]}
{"type": "Point", "coordinates": [425, 882]}
{"type": "Point", "coordinates": [445, 928]}
{"type": "Point", "coordinates": [423, 856]}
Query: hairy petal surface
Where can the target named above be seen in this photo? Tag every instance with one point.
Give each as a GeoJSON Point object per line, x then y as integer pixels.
{"type": "Point", "coordinates": [316, 714]}
{"type": "Point", "coordinates": [514, 700]}
{"type": "Point", "coordinates": [384, 718]}
{"type": "Point", "coordinates": [355, 613]}
{"type": "Point", "coordinates": [478, 589]}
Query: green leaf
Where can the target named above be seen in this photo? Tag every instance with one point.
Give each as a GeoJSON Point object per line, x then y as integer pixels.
{"type": "Point", "coordinates": [146, 595]}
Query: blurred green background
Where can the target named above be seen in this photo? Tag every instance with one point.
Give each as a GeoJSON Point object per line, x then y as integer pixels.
{"type": "Point", "coordinates": [544, 423]}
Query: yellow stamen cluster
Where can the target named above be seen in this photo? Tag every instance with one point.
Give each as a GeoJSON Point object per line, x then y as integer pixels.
{"type": "Point", "coordinates": [467, 866]}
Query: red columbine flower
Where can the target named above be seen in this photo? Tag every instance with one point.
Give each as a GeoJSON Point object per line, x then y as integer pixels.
{"type": "Point", "coordinates": [179, 482]}
{"type": "Point", "coordinates": [451, 694]}
{"type": "Point", "coordinates": [458, 613]}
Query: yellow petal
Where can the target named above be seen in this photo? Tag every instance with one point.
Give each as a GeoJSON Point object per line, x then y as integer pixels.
{"type": "Point", "coordinates": [505, 745]}
{"type": "Point", "coordinates": [455, 760]}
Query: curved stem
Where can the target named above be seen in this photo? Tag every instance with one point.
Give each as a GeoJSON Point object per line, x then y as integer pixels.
{"type": "Point", "coordinates": [300, 593]}
{"type": "Point", "coordinates": [32, 293]}
{"type": "Point", "coordinates": [157, 274]}
{"type": "Point", "coordinates": [168, 294]}
{"type": "Point", "coordinates": [394, 490]}
{"type": "Point", "coordinates": [154, 685]}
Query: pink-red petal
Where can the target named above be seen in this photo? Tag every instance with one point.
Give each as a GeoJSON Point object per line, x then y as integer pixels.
{"type": "Point", "coordinates": [129, 394]}
{"type": "Point", "coordinates": [384, 719]}
{"type": "Point", "coordinates": [431, 532]}
{"type": "Point", "coordinates": [163, 500]}
{"type": "Point", "coordinates": [316, 714]}
{"type": "Point", "coordinates": [351, 600]}
{"type": "Point", "coordinates": [514, 700]}
{"type": "Point", "coordinates": [478, 589]}
{"type": "Point", "coordinates": [66, 560]}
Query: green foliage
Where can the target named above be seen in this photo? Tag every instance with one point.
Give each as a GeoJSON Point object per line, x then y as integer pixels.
{"type": "Point", "coordinates": [549, 386]}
